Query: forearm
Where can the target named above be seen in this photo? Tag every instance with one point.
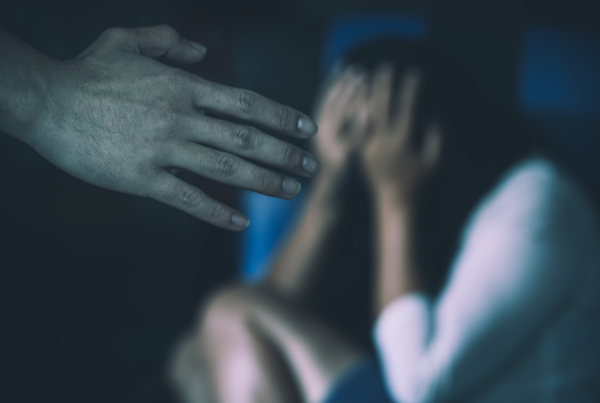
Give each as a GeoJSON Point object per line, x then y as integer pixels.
{"type": "Point", "coordinates": [396, 273]}
{"type": "Point", "coordinates": [308, 249]}
{"type": "Point", "coordinates": [22, 86]}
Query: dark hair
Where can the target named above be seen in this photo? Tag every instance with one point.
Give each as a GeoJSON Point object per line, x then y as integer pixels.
{"type": "Point", "coordinates": [482, 138]}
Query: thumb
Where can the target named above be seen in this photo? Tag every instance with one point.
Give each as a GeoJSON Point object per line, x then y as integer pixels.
{"type": "Point", "coordinates": [163, 40]}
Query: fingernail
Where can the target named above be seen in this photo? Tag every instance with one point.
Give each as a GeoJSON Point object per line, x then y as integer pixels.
{"type": "Point", "coordinates": [307, 126]}
{"type": "Point", "coordinates": [197, 46]}
{"type": "Point", "coordinates": [311, 166]}
{"type": "Point", "coordinates": [240, 221]}
{"type": "Point", "coordinates": [291, 187]}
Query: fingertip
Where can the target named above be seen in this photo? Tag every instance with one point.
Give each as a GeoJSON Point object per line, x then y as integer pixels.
{"type": "Point", "coordinates": [240, 222]}
{"type": "Point", "coordinates": [311, 166]}
{"type": "Point", "coordinates": [307, 126]}
{"type": "Point", "coordinates": [291, 187]}
{"type": "Point", "coordinates": [199, 47]}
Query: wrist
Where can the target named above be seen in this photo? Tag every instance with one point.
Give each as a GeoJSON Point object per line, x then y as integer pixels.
{"type": "Point", "coordinates": [38, 99]}
{"type": "Point", "coordinates": [332, 173]}
{"type": "Point", "coordinates": [326, 200]}
{"type": "Point", "coordinates": [393, 197]}
{"type": "Point", "coordinates": [325, 194]}
{"type": "Point", "coordinates": [23, 89]}
{"type": "Point", "coordinates": [327, 184]}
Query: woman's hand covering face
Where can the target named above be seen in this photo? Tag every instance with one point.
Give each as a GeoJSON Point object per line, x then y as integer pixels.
{"type": "Point", "coordinates": [391, 162]}
{"type": "Point", "coordinates": [341, 118]}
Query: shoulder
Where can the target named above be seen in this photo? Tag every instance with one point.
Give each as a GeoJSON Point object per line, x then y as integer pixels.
{"type": "Point", "coordinates": [535, 224]}
{"type": "Point", "coordinates": [533, 182]}
{"type": "Point", "coordinates": [535, 193]}
{"type": "Point", "coordinates": [535, 210]}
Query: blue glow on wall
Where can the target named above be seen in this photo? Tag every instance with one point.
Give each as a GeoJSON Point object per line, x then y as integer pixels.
{"type": "Point", "coordinates": [561, 72]}
{"type": "Point", "coordinates": [560, 94]}
{"type": "Point", "coordinates": [269, 219]}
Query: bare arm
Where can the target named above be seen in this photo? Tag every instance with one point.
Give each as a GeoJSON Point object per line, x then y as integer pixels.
{"type": "Point", "coordinates": [397, 272]}
{"type": "Point", "coordinates": [396, 173]}
{"type": "Point", "coordinates": [310, 245]}
{"type": "Point", "coordinates": [118, 119]}
{"type": "Point", "coordinates": [307, 253]}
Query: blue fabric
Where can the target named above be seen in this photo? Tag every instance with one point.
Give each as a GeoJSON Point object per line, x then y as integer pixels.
{"type": "Point", "coordinates": [561, 72]}
{"type": "Point", "coordinates": [362, 384]}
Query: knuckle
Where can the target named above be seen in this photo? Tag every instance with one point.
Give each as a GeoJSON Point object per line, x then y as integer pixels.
{"type": "Point", "coordinates": [217, 211]}
{"type": "Point", "coordinates": [190, 197]}
{"type": "Point", "coordinates": [283, 119]}
{"type": "Point", "coordinates": [289, 154]}
{"type": "Point", "coordinates": [246, 138]}
{"type": "Point", "coordinates": [268, 179]}
{"type": "Point", "coordinates": [247, 101]}
{"type": "Point", "coordinates": [227, 166]}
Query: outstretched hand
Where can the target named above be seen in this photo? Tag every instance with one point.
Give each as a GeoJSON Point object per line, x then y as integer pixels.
{"type": "Point", "coordinates": [116, 118]}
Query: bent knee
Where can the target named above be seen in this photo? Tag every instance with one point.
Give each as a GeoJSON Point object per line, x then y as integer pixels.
{"type": "Point", "coordinates": [228, 308]}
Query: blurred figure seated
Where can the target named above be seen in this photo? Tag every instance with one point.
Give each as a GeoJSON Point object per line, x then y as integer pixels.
{"type": "Point", "coordinates": [487, 258]}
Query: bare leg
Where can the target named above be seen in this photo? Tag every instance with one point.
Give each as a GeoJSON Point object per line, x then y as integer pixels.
{"type": "Point", "coordinates": [258, 348]}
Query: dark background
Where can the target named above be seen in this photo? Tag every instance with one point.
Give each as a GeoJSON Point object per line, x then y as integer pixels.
{"type": "Point", "coordinates": [97, 285]}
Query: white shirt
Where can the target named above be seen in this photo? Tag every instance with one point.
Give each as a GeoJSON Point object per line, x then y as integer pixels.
{"type": "Point", "coordinates": [519, 318]}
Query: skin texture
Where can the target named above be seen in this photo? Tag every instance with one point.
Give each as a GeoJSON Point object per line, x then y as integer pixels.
{"type": "Point", "coordinates": [118, 119]}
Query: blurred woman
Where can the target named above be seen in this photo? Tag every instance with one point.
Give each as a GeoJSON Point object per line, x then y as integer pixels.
{"type": "Point", "coordinates": [487, 258]}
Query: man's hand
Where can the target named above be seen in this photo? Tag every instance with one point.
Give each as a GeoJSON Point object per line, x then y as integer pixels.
{"type": "Point", "coordinates": [116, 118]}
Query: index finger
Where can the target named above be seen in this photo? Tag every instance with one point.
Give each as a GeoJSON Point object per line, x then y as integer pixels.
{"type": "Point", "coordinates": [252, 107]}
